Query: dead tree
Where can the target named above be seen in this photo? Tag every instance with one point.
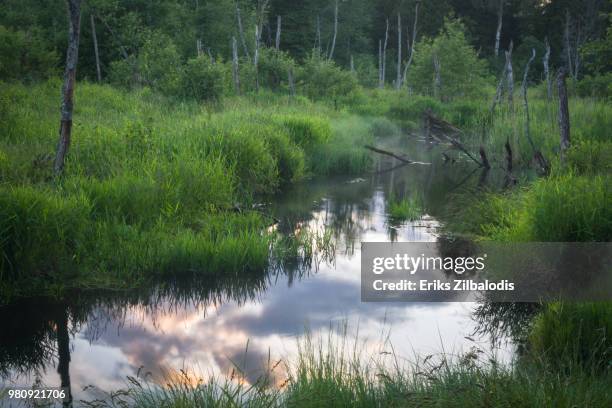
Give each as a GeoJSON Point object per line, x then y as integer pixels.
{"type": "Point", "coordinates": [568, 46]}
{"type": "Point", "coordinates": [510, 76]}
{"type": "Point", "coordinates": [380, 65]}
{"type": "Point", "coordinates": [352, 63]}
{"type": "Point", "coordinates": [545, 62]}
{"type": "Point", "coordinates": [537, 154]}
{"type": "Point", "coordinates": [384, 57]}
{"type": "Point", "coordinates": [241, 32]}
{"type": "Point", "coordinates": [333, 44]}
{"type": "Point", "coordinates": [414, 33]}
{"type": "Point", "coordinates": [318, 38]}
{"type": "Point", "coordinates": [235, 66]}
{"type": "Point", "coordinates": [278, 32]}
{"type": "Point", "coordinates": [500, 17]}
{"type": "Point", "coordinates": [564, 119]}
{"type": "Point", "coordinates": [256, 57]}
{"type": "Point", "coordinates": [398, 79]}
{"type": "Point", "coordinates": [95, 42]}
{"type": "Point", "coordinates": [291, 81]}
{"type": "Point", "coordinates": [72, 53]}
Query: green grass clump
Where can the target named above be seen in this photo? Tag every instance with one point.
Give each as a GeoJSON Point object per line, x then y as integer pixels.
{"type": "Point", "coordinates": [570, 335]}
{"type": "Point", "coordinates": [341, 373]}
{"type": "Point", "coordinates": [407, 209]}
{"type": "Point", "coordinates": [151, 183]}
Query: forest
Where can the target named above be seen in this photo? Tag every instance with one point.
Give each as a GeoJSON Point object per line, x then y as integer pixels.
{"type": "Point", "coordinates": [163, 157]}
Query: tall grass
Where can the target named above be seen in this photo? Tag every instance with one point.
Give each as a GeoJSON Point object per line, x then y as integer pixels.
{"type": "Point", "coordinates": [339, 372]}
{"type": "Point", "coordinates": [152, 184]}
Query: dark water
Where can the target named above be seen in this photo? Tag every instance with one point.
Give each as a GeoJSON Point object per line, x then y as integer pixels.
{"type": "Point", "coordinates": [204, 326]}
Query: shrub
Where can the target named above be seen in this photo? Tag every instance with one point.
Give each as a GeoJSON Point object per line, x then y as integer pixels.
{"type": "Point", "coordinates": [323, 79]}
{"type": "Point", "coordinates": [274, 68]}
{"type": "Point", "coordinates": [462, 73]}
{"type": "Point", "coordinates": [412, 108]}
{"type": "Point", "coordinates": [26, 55]}
{"type": "Point", "coordinates": [204, 80]}
{"type": "Point", "coordinates": [598, 86]}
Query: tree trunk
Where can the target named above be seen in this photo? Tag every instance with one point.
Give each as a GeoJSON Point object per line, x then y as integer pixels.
{"type": "Point", "coordinates": [333, 45]}
{"type": "Point", "coordinates": [414, 33]}
{"type": "Point", "coordinates": [568, 46]}
{"type": "Point", "coordinates": [199, 47]}
{"type": "Point", "coordinates": [278, 32]}
{"type": "Point", "coordinates": [95, 41]}
{"type": "Point", "coordinates": [398, 79]}
{"type": "Point", "coordinates": [510, 76]}
{"type": "Point", "coordinates": [525, 102]}
{"type": "Point", "coordinates": [545, 61]}
{"type": "Point", "coordinates": [256, 58]}
{"type": "Point", "coordinates": [380, 65]}
{"type": "Point", "coordinates": [483, 158]}
{"type": "Point", "coordinates": [564, 119]}
{"type": "Point", "coordinates": [241, 32]}
{"type": "Point", "coordinates": [65, 133]}
{"type": "Point", "coordinates": [291, 81]}
{"type": "Point", "coordinates": [318, 39]}
{"type": "Point", "coordinates": [384, 56]}
{"type": "Point", "coordinates": [235, 67]}
{"type": "Point", "coordinates": [500, 17]}
{"type": "Point", "coordinates": [352, 63]}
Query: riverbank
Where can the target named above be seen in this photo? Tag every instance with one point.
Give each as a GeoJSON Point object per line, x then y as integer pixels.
{"type": "Point", "coordinates": [153, 185]}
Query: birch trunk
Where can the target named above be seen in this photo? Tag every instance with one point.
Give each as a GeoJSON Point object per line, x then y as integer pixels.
{"type": "Point", "coordinates": [398, 79]}
{"type": "Point", "coordinates": [278, 32]}
{"type": "Point", "coordinates": [384, 55]}
{"type": "Point", "coordinates": [414, 33]}
{"type": "Point", "coordinates": [568, 46]}
{"type": "Point", "coordinates": [95, 42]}
{"type": "Point", "coordinates": [564, 119]}
{"type": "Point", "coordinates": [545, 61]}
{"type": "Point", "coordinates": [510, 76]}
{"type": "Point", "coordinates": [241, 32]}
{"type": "Point", "coordinates": [333, 44]}
{"type": "Point", "coordinates": [352, 63]}
{"type": "Point", "coordinates": [65, 133]}
{"type": "Point", "coordinates": [256, 58]}
{"type": "Point", "coordinates": [318, 39]}
{"type": "Point", "coordinates": [291, 81]}
{"type": "Point", "coordinates": [380, 65]}
{"type": "Point", "coordinates": [525, 102]}
{"type": "Point", "coordinates": [235, 66]}
{"type": "Point", "coordinates": [500, 17]}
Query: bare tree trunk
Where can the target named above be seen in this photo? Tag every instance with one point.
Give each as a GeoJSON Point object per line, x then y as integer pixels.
{"type": "Point", "coordinates": [65, 133]}
{"type": "Point", "coordinates": [568, 46]}
{"type": "Point", "coordinates": [199, 47]}
{"type": "Point", "coordinates": [333, 45]}
{"type": "Point", "coordinates": [241, 32]}
{"type": "Point", "coordinates": [500, 17]}
{"type": "Point", "coordinates": [437, 79]}
{"type": "Point", "coordinates": [256, 58]}
{"type": "Point", "coordinates": [380, 65]}
{"type": "Point", "coordinates": [278, 32]}
{"type": "Point", "coordinates": [545, 61]}
{"type": "Point", "coordinates": [384, 55]}
{"type": "Point", "coordinates": [95, 41]}
{"type": "Point", "coordinates": [398, 79]}
{"type": "Point", "coordinates": [525, 102]}
{"type": "Point", "coordinates": [235, 67]}
{"type": "Point", "coordinates": [564, 119]}
{"type": "Point", "coordinates": [510, 76]}
{"type": "Point", "coordinates": [291, 81]}
{"type": "Point", "coordinates": [500, 88]}
{"type": "Point", "coordinates": [352, 63]}
{"type": "Point", "coordinates": [318, 40]}
{"type": "Point", "coordinates": [414, 33]}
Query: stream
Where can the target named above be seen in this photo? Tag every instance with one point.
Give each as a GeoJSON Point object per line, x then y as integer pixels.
{"type": "Point", "coordinates": [210, 327]}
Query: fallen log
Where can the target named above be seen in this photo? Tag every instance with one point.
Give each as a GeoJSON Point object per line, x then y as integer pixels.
{"type": "Point", "coordinates": [391, 154]}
